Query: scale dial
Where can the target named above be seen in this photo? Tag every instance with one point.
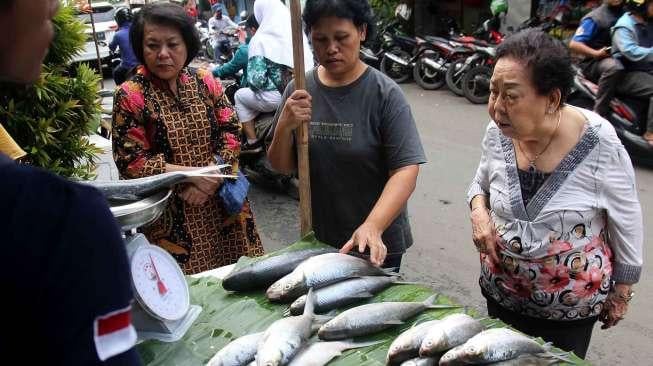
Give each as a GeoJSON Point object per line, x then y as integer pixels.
{"type": "Point", "coordinates": [159, 283]}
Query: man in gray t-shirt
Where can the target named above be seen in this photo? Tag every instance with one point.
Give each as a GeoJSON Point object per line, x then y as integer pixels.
{"type": "Point", "coordinates": [359, 134]}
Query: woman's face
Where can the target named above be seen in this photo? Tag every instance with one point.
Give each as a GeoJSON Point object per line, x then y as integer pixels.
{"type": "Point", "coordinates": [164, 50]}
{"type": "Point", "coordinates": [336, 42]}
{"type": "Point", "coordinates": [514, 105]}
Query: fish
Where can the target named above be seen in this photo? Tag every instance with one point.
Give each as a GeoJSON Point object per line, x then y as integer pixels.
{"type": "Point", "coordinates": [499, 344]}
{"type": "Point", "coordinates": [139, 188]}
{"type": "Point", "coordinates": [452, 331]}
{"type": "Point", "coordinates": [285, 337]}
{"type": "Point", "coordinates": [320, 271]}
{"type": "Point", "coordinates": [320, 353]}
{"type": "Point", "coordinates": [530, 360]}
{"type": "Point", "coordinates": [345, 292]}
{"type": "Point", "coordinates": [372, 318]}
{"type": "Point", "coordinates": [421, 361]}
{"type": "Point", "coordinates": [453, 357]}
{"type": "Point", "coordinates": [264, 272]}
{"type": "Point", "coordinates": [239, 352]}
{"type": "Point", "coordinates": [406, 345]}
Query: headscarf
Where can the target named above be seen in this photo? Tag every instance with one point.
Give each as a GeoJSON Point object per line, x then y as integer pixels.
{"type": "Point", "coordinates": [273, 38]}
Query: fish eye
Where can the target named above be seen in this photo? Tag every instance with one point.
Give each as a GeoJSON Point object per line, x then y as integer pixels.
{"type": "Point", "coordinates": [287, 287]}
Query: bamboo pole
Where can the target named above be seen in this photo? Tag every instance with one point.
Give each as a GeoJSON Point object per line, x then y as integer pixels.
{"type": "Point", "coordinates": [305, 213]}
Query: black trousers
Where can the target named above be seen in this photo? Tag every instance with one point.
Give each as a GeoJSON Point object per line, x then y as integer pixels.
{"type": "Point", "coordinates": [569, 336]}
{"type": "Point", "coordinates": [120, 74]}
{"type": "Point", "coordinates": [607, 73]}
{"type": "Point", "coordinates": [639, 84]}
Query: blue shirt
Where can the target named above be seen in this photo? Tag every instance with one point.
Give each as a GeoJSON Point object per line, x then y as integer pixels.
{"type": "Point", "coordinates": [121, 40]}
{"type": "Point", "coordinates": [585, 31]}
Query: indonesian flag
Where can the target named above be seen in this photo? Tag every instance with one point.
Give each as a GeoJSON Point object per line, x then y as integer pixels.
{"type": "Point", "coordinates": [114, 333]}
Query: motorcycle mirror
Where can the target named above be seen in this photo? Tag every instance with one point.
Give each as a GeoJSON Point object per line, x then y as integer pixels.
{"type": "Point", "coordinates": [243, 14]}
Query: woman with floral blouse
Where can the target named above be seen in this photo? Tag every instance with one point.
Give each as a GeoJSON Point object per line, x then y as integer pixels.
{"type": "Point", "coordinates": [554, 207]}
{"type": "Point", "coordinates": [170, 117]}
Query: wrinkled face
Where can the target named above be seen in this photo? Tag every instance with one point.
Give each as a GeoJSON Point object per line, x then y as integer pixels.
{"type": "Point", "coordinates": [514, 105]}
{"type": "Point", "coordinates": [336, 42]}
{"type": "Point", "coordinates": [164, 50]}
{"type": "Point", "coordinates": [27, 31]}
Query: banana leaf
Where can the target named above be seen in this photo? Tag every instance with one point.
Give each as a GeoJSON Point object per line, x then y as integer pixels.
{"type": "Point", "coordinates": [227, 316]}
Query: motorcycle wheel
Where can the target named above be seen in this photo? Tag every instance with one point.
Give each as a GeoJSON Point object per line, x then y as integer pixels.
{"type": "Point", "coordinates": [426, 77]}
{"type": "Point", "coordinates": [395, 71]}
{"type": "Point", "coordinates": [454, 77]}
{"type": "Point", "coordinates": [476, 84]}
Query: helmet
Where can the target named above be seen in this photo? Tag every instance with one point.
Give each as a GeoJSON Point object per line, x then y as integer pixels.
{"type": "Point", "coordinates": [499, 6]}
{"type": "Point", "coordinates": [403, 11]}
{"type": "Point", "coordinates": [637, 6]}
{"type": "Point", "coordinates": [122, 15]}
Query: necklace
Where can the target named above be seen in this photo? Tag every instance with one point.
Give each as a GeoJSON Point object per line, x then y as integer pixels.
{"type": "Point", "coordinates": [531, 162]}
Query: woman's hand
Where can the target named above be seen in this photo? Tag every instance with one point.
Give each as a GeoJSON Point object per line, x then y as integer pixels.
{"type": "Point", "coordinates": [207, 185]}
{"type": "Point", "coordinates": [367, 235]}
{"type": "Point", "coordinates": [615, 307]}
{"type": "Point", "coordinates": [483, 232]}
{"type": "Point", "coordinates": [193, 196]}
{"type": "Point", "coordinates": [297, 109]}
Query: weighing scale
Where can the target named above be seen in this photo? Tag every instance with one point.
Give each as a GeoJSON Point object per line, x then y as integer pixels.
{"type": "Point", "coordinates": [162, 309]}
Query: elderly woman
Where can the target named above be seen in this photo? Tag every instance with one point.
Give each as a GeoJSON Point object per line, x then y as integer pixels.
{"type": "Point", "coordinates": [554, 209]}
{"type": "Point", "coordinates": [365, 151]}
{"type": "Point", "coordinates": [170, 117]}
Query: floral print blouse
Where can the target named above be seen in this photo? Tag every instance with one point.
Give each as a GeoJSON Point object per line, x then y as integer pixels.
{"type": "Point", "coordinates": [265, 75]}
{"type": "Point", "coordinates": [581, 229]}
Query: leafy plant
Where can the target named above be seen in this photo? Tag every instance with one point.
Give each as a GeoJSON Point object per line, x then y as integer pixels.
{"type": "Point", "coordinates": [384, 9]}
{"type": "Point", "coordinates": [51, 119]}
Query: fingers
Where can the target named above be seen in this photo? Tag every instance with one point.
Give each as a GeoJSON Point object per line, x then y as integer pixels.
{"type": "Point", "coordinates": [301, 94]}
{"type": "Point", "coordinates": [378, 253]}
{"type": "Point", "coordinates": [347, 247]}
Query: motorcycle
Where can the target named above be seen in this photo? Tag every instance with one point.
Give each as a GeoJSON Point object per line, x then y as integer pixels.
{"type": "Point", "coordinates": [399, 49]}
{"type": "Point", "coordinates": [256, 166]}
{"type": "Point", "coordinates": [433, 59]}
{"type": "Point", "coordinates": [627, 115]}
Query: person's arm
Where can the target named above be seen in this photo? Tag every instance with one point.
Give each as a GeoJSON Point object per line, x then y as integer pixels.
{"type": "Point", "coordinates": [626, 42]}
{"type": "Point", "coordinates": [230, 22]}
{"type": "Point", "coordinates": [292, 111]}
{"type": "Point", "coordinates": [237, 63]}
{"type": "Point", "coordinates": [114, 42]}
{"type": "Point", "coordinates": [625, 233]}
{"type": "Point", "coordinates": [584, 34]}
{"type": "Point", "coordinates": [132, 150]}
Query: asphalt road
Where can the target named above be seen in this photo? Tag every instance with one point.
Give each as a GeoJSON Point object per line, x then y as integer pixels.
{"type": "Point", "coordinates": [443, 255]}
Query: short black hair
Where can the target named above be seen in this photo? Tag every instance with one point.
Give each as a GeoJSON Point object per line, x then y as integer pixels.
{"type": "Point", "coordinates": [6, 4]}
{"type": "Point", "coordinates": [358, 11]}
{"type": "Point", "coordinates": [166, 14]}
{"type": "Point", "coordinates": [548, 60]}
{"type": "Point", "coordinates": [251, 22]}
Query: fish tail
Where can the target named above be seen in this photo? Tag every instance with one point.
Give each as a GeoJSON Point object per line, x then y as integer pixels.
{"type": "Point", "coordinates": [309, 307]}
{"type": "Point", "coordinates": [393, 271]}
{"type": "Point", "coordinates": [558, 357]}
{"type": "Point", "coordinates": [431, 300]}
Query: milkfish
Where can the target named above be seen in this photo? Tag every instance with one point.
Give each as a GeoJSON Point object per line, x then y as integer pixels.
{"type": "Point", "coordinates": [372, 318]}
{"type": "Point", "coordinates": [498, 344]}
{"type": "Point", "coordinates": [421, 361]}
{"type": "Point", "coordinates": [345, 292]}
{"type": "Point", "coordinates": [139, 188]}
{"type": "Point", "coordinates": [239, 352]}
{"type": "Point", "coordinates": [264, 272]}
{"type": "Point", "coordinates": [320, 353]}
{"type": "Point", "coordinates": [531, 360]}
{"type": "Point", "coordinates": [285, 337]}
{"type": "Point", "coordinates": [320, 271]}
{"type": "Point", "coordinates": [453, 357]}
{"type": "Point", "coordinates": [452, 331]}
{"type": "Point", "coordinates": [406, 345]}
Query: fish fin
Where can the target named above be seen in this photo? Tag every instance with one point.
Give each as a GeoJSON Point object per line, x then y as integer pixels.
{"type": "Point", "coordinates": [407, 283]}
{"type": "Point", "coordinates": [351, 344]}
{"type": "Point", "coordinates": [321, 319]}
{"type": "Point", "coordinates": [286, 312]}
{"type": "Point", "coordinates": [431, 299]}
{"type": "Point", "coordinates": [309, 308]}
{"type": "Point", "coordinates": [391, 271]}
{"type": "Point", "coordinates": [393, 322]}
{"type": "Point", "coordinates": [558, 357]}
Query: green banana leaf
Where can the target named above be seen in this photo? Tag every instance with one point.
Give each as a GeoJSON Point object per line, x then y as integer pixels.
{"type": "Point", "coordinates": [227, 316]}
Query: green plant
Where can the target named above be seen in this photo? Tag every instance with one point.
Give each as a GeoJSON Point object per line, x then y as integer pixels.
{"type": "Point", "coordinates": [384, 9]}
{"type": "Point", "coordinates": [51, 119]}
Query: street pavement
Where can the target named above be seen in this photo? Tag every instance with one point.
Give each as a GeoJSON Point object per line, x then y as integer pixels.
{"type": "Point", "coordinates": [443, 255]}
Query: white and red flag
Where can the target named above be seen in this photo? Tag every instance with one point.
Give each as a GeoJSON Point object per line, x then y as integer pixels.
{"type": "Point", "coordinates": [114, 333]}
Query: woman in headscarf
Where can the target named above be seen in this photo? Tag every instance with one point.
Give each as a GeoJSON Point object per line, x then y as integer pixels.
{"type": "Point", "coordinates": [269, 67]}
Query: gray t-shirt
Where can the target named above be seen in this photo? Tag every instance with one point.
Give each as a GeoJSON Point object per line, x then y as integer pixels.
{"type": "Point", "coordinates": [359, 133]}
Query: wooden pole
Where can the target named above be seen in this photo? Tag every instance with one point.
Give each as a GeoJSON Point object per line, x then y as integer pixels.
{"type": "Point", "coordinates": [305, 212]}
{"type": "Point", "coordinates": [97, 49]}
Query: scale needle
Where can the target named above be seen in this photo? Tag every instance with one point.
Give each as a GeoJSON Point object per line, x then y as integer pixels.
{"type": "Point", "coordinates": [159, 283]}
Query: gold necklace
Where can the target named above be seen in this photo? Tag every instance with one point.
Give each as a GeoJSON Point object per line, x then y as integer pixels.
{"type": "Point", "coordinates": [531, 162]}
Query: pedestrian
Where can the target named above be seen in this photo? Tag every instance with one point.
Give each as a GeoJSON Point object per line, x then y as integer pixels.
{"type": "Point", "coordinates": [554, 208]}
{"type": "Point", "coordinates": [171, 117]}
{"type": "Point", "coordinates": [217, 24]}
{"type": "Point", "coordinates": [65, 276]}
{"type": "Point", "coordinates": [365, 151]}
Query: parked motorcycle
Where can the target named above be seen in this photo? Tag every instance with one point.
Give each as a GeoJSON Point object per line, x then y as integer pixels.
{"type": "Point", "coordinates": [433, 59]}
{"type": "Point", "coordinates": [627, 115]}
{"type": "Point", "coordinates": [399, 50]}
